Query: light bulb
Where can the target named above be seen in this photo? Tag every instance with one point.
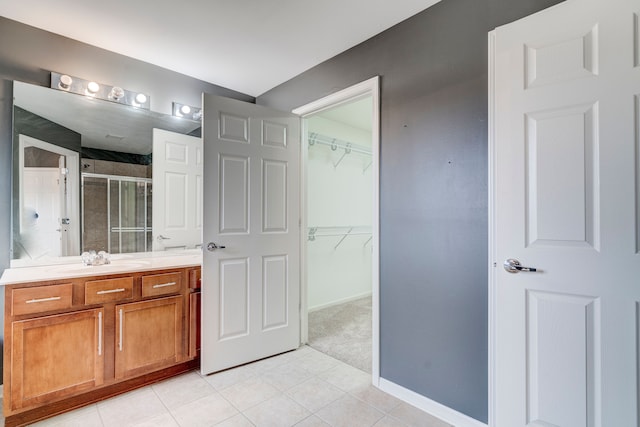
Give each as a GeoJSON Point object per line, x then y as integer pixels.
{"type": "Point", "coordinates": [141, 98]}
{"type": "Point", "coordinates": [185, 109]}
{"type": "Point", "coordinates": [116, 93]}
{"type": "Point", "coordinates": [65, 82]}
{"type": "Point", "coordinates": [93, 87]}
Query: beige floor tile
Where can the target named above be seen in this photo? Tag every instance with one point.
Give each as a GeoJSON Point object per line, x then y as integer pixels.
{"type": "Point", "coordinates": [312, 421]}
{"type": "Point", "coordinates": [165, 420]}
{"type": "Point", "coordinates": [376, 398]}
{"type": "Point", "coordinates": [269, 363]}
{"type": "Point", "coordinates": [349, 412]}
{"type": "Point", "coordinates": [131, 408]}
{"type": "Point", "coordinates": [303, 351]}
{"type": "Point", "coordinates": [390, 422]}
{"type": "Point", "coordinates": [285, 376]}
{"type": "Point", "coordinates": [230, 377]}
{"type": "Point", "coordinates": [249, 393]}
{"type": "Point", "coordinates": [414, 417]}
{"type": "Point", "coordinates": [280, 411]}
{"type": "Point", "coordinates": [346, 377]}
{"type": "Point", "coordinates": [304, 388]}
{"type": "Point", "coordinates": [83, 417]}
{"type": "Point", "coordinates": [203, 412]}
{"type": "Point", "coordinates": [183, 389]}
{"type": "Point", "coordinates": [315, 362]}
{"type": "Point", "coordinates": [237, 421]}
{"type": "Point", "coordinates": [315, 394]}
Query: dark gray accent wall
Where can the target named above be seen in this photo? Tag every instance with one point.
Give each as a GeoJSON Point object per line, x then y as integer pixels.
{"type": "Point", "coordinates": [433, 190]}
{"type": "Point", "coordinates": [28, 54]}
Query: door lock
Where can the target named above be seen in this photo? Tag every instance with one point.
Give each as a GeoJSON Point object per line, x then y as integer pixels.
{"type": "Point", "coordinates": [211, 246]}
{"type": "Point", "coordinates": [514, 266]}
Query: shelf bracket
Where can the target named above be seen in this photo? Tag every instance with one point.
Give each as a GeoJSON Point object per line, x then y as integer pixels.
{"type": "Point", "coordinates": [367, 167]}
{"type": "Point", "coordinates": [347, 150]}
{"type": "Point", "coordinates": [343, 237]}
{"type": "Point", "coordinates": [312, 234]}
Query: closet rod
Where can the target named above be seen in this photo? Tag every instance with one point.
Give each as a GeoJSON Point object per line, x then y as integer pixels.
{"type": "Point", "coordinates": [335, 143]}
{"type": "Point", "coordinates": [349, 231]}
{"type": "Point", "coordinates": [341, 234]}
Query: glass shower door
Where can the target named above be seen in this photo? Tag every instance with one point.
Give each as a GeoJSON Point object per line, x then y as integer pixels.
{"type": "Point", "coordinates": [116, 213]}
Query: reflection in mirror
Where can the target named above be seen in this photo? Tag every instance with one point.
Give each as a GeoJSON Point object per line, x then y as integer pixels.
{"type": "Point", "coordinates": [83, 177]}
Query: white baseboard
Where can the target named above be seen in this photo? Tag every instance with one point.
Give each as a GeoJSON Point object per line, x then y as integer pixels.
{"type": "Point", "coordinates": [340, 301]}
{"type": "Point", "coordinates": [434, 408]}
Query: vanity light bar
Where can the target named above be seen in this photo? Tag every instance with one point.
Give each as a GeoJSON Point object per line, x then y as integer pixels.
{"type": "Point", "coordinates": [187, 111]}
{"type": "Point", "coordinates": [67, 83]}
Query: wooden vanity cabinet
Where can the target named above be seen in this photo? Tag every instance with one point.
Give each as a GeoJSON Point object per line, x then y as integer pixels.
{"type": "Point", "coordinates": [148, 336]}
{"type": "Point", "coordinates": [195, 284]}
{"type": "Point", "coordinates": [72, 342]}
{"type": "Point", "coordinates": [55, 356]}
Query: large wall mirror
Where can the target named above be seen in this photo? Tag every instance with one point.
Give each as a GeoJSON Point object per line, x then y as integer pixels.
{"type": "Point", "coordinates": [90, 174]}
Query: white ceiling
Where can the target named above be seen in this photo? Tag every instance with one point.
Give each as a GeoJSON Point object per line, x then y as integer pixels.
{"type": "Point", "coordinates": [247, 45]}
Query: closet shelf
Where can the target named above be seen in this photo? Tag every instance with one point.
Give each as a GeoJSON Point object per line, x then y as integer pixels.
{"type": "Point", "coordinates": [335, 144]}
{"type": "Point", "coordinates": [340, 231]}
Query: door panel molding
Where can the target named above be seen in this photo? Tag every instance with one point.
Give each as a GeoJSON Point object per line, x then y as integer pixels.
{"type": "Point", "coordinates": [251, 280]}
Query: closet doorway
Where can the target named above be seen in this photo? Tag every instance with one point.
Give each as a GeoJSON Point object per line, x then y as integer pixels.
{"type": "Point", "coordinates": [340, 225]}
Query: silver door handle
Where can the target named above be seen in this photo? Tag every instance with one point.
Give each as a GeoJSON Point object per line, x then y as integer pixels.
{"type": "Point", "coordinates": [160, 238]}
{"type": "Point", "coordinates": [211, 246]}
{"type": "Point", "coordinates": [514, 266]}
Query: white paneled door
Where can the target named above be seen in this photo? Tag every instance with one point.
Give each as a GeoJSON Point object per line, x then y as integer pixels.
{"type": "Point", "coordinates": [177, 191]}
{"type": "Point", "coordinates": [566, 191]}
{"type": "Point", "coordinates": [251, 280]}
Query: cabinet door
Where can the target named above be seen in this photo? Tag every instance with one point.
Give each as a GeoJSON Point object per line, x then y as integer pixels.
{"type": "Point", "coordinates": [54, 357]}
{"type": "Point", "coordinates": [194, 324]}
{"type": "Point", "coordinates": [149, 336]}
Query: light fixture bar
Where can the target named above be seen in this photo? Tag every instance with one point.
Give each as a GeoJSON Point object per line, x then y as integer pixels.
{"type": "Point", "coordinates": [77, 85]}
{"type": "Point", "coordinates": [187, 111]}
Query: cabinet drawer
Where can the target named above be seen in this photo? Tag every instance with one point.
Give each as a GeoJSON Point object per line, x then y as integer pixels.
{"type": "Point", "coordinates": [41, 298]}
{"type": "Point", "coordinates": [161, 284]}
{"type": "Point", "coordinates": [101, 291]}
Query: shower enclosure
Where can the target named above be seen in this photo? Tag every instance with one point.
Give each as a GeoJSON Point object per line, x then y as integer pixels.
{"type": "Point", "coordinates": [116, 213]}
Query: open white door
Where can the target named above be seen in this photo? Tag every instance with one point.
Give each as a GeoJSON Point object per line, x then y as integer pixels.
{"type": "Point", "coordinates": [49, 224]}
{"type": "Point", "coordinates": [177, 191]}
{"type": "Point", "coordinates": [251, 281]}
{"type": "Point", "coordinates": [566, 185]}
{"type": "Point", "coordinates": [40, 213]}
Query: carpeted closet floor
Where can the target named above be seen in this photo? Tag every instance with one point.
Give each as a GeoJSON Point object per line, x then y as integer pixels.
{"type": "Point", "coordinates": [344, 332]}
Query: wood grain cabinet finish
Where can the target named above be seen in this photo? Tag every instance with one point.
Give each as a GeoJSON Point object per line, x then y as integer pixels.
{"type": "Point", "coordinates": [148, 335]}
{"type": "Point", "coordinates": [72, 342]}
{"type": "Point", "coordinates": [56, 356]}
{"type": "Point", "coordinates": [195, 284]}
{"type": "Point", "coordinates": [108, 290]}
{"type": "Point", "coordinates": [41, 299]}
{"type": "Point", "coordinates": [161, 284]}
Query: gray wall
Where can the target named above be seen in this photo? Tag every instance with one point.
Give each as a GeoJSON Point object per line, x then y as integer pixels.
{"type": "Point", "coordinates": [433, 186]}
{"type": "Point", "coordinates": [29, 54]}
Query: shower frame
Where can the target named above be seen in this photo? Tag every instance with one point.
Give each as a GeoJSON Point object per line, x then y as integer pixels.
{"type": "Point", "coordinates": [145, 228]}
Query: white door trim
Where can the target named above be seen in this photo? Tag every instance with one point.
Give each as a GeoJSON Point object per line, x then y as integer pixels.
{"type": "Point", "coordinates": [491, 262]}
{"type": "Point", "coordinates": [368, 87]}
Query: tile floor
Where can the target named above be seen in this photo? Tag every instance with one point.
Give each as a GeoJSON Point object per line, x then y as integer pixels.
{"type": "Point", "coordinates": [303, 388]}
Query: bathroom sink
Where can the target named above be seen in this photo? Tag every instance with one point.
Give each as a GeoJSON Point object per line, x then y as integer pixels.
{"type": "Point", "coordinates": [115, 265]}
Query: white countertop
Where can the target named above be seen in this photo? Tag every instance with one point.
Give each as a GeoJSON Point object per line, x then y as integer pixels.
{"type": "Point", "coordinates": [126, 263]}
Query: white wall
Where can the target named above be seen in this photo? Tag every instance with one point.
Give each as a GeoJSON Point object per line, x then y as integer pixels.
{"type": "Point", "coordinates": [336, 197]}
